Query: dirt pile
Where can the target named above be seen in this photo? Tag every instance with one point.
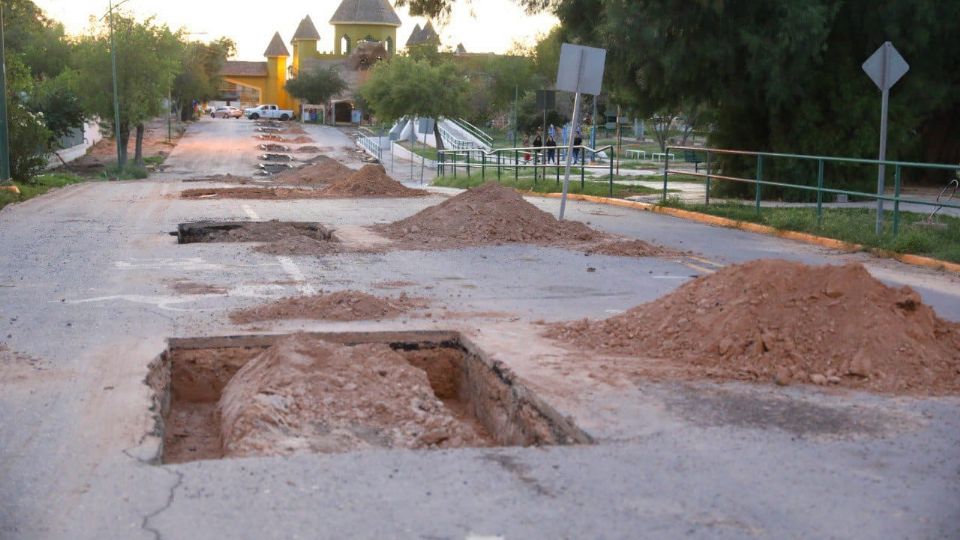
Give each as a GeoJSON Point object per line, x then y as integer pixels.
{"type": "Point", "coordinates": [630, 248]}
{"type": "Point", "coordinates": [298, 140]}
{"type": "Point", "coordinates": [489, 214]}
{"type": "Point", "coordinates": [307, 395]}
{"type": "Point", "coordinates": [321, 171]}
{"type": "Point", "coordinates": [788, 322]}
{"type": "Point", "coordinates": [309, 149]}
{"type": "Point", "coordinates": [251, 193]}
{"type": "Point", "coordinates": [370, 181]}
{"type": "Point", "coordinates": [338, 306]}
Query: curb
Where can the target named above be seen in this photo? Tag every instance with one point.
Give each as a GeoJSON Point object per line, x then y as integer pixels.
{"type": "Point", "coordinates": [915, 260]}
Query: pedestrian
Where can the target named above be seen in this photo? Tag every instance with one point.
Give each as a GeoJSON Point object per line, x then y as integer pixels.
{"type": "Point", "coordinates": [537, 144]}
{"type": "Point", "coordinates": [552, 132]}
{"type": "Point", "coordinates": [577, 143]}
{"type": "Point", "coordinates": [552, 150]}
{"type": "Point", "coordinates": [526, 149]}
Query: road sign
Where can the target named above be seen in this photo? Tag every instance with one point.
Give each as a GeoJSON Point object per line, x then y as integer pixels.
{"type": "Point", "coordinates": [581, 69]}
{"type": "Point", "coordinates": [884, 67]}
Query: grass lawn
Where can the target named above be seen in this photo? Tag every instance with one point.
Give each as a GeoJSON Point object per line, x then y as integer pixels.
{"type": "Point", "coordinates": [428, 152]}
{"type": "Point", "coordinates": [855, 225]}
{"type": "Point", "coordinates": [525, 183]}
{"type": "Point", "coordinates": [40, 185]}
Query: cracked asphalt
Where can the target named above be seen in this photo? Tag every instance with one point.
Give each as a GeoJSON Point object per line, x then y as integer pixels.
{"type": "Point", "coordinates": [86, 301]}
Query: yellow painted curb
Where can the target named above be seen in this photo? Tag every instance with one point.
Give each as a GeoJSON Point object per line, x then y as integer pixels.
{"type": "Point", "coordinates": [13, 189]}
{"type": "Point", "coordinates": [916, 260]}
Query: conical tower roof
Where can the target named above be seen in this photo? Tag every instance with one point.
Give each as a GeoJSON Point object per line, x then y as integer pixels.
{"type": "Point", "coordinates": [414, 36]}
{"type": "Point", "coordinates": [429, 34]}
{"type": "Point", "coordinates": [378, 12]}
{"type": "Point", "coordinates": [307, 30]}
{"type": "Point", "coordinates": [276, 47]}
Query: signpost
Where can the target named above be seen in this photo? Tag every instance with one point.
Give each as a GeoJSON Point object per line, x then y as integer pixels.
{"type": "Point", "coordinates": [885, 67]}
{"type": "Point", "coordinates": [580, 72]}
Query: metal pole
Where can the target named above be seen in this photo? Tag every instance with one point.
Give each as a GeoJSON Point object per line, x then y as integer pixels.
{"type": "Point", "coordinates": [820, 192]}
{"type": "Point", "coordinates": [169, 106]}
{"type": "Point", "coordinates": [759, 179]}
{"type": "Point", "coordinates": [881, 174]}
{"type": "Point", "coordinates": [116, 95]}
{"type": "Point", "coordinates": [707, 193]}
{"type": "Point", "coordinates": [896, 202]}
{"type": "Point", "coordinates": [516, 97]}
{"type": "Point", "coordinates": [4, 131]}
{"type": "Point", "coordinates": [666, 171]}
{"type": "Point", "coordinates": [573, 128]}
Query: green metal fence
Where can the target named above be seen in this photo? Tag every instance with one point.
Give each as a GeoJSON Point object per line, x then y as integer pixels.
{"type": "Point", "coordinates": [709, 155]}
{"type": "Point", "coordinates": [502, 160]}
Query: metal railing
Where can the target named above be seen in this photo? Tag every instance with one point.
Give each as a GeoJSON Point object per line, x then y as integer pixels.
{"type": "Point", "coordinates": [759, 182]}
{"type": "Point", "coordinates": [474, 130]}
{"type": "Point", "coordinates": [501, 159]}
{"type": "Point", "coordinates": [370, 142]}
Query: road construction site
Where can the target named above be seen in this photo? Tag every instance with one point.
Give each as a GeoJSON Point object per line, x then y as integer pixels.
{"type": "Point", "coordinates": [234, 348]}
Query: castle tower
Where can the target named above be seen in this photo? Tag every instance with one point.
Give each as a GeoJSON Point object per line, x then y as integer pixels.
{"type": "Point", "coordinates": [277, 55]}
{"type": "Point", "coordinates": [356, 20]}
{"type": "Point", "coordinates": [304, 43]}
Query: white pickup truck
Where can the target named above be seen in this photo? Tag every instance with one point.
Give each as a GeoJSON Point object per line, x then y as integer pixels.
{"type": "Point", "coordinates": [268, 111]}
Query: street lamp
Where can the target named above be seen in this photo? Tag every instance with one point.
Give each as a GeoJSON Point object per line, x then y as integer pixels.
{"type": "Point", "coordinates": [4, 132]}
{"type": "Point", "coordinates": [116, 96]}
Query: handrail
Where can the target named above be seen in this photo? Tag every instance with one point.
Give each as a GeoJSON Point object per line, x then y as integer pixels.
{"type": "Point", "coordinates": [473, 130]}
{"type": "Point", "coordinates": [912, 164]}
{"type": "Point", "coordinates": [819, 189]}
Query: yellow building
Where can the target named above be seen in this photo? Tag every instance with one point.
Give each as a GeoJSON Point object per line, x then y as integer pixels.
{"type": "Point", "coordinates": [354, 22]}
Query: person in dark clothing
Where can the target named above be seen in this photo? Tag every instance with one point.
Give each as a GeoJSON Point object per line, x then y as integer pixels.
{"type": "Point", "coordinates": [577, 142]}
{"type": "Point", "coordinates": [537, 143]}
{"type": "Point", "coordinates": [552, 150]}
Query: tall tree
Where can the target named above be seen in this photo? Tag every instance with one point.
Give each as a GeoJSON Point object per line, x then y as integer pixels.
{"type": "Point", "coordinates": [147, 60]}
{"type": "Point", "coordinates": [403, 86]}
{"type": "Point", "coordinates": [198, 77]}
{"type": "Point", "coordinates": [316, 87]}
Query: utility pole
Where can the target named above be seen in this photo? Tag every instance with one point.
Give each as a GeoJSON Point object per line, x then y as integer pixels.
{"type": "Point", "coordinates": [116, 95]}
{"type": "Point", "coordinates": [516, 97]}
{"type": "Point", "coordinates": [4, 132]}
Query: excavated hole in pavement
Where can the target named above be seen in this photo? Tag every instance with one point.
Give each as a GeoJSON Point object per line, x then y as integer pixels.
{"type": "Point", "coordinates": [276, 157]}
{"type": "Point", "coordinates": [274, 168]}
{"type": "Point", "coordinates": [249, 231]}
{"type": "Point", "coordinates": [482, 396]}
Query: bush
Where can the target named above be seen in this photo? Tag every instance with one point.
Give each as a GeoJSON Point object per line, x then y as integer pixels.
{"type": "Point", "coordinates": [28, 142]}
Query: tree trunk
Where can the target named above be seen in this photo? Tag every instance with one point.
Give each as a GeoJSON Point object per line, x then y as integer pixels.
{"type": "Point", "coordinates": [138, 153]}
{"type": "Point", "coordinates": [124, 140]}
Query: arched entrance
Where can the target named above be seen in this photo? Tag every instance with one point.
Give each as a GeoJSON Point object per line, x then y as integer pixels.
{"type": "Point", "coordinates": [342, 112]}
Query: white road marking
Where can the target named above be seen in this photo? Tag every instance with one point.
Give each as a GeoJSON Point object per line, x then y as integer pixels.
{"type": "Point", "coordinates": [249, 211]}
{"type": "Point", "coordinates": [296, 274]}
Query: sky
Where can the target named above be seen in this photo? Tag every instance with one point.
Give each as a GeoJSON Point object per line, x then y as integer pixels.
{"type": "Point", "coordinates": [481, 25]}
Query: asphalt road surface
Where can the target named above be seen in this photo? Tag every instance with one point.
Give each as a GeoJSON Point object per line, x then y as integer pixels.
{"type": "Point", "coordinates": [86, 298]}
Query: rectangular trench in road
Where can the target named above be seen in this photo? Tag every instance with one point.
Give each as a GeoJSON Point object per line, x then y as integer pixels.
{"type": "Point", "coordinates": [477, 396]}
{"type": "Point", "coordinates": [249, 231]}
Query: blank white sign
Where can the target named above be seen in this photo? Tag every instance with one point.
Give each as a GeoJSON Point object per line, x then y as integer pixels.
{"type": "Point", "coordinates": [581, 69]}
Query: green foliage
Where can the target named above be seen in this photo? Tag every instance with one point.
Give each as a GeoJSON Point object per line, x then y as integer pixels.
{"type": "Point", "coordinates": [784, 76]}
{"type": "Point", "coordinates": [317, 86]}
{"type": "Point", "coordinates": [36, 38]}
{"type": "Point", "coordinates": [60, 103]}
{"type": "Point", "coordinates": [147, 60]}
{"type": "Point", "coordinates": [127, 172]}
{"type": "Point", "coordinates": [28, 134]}
{"type": "Point", "coordinates": [38, 186]}
{"type": "Point", "coordinates": [198, 74]}
{"type": "Point", "coordinates": [403, 86]}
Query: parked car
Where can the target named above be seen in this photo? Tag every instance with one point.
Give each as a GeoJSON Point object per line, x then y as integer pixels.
{"type": "Point", "coordinates": [268, 112]}
{"type": "Point", "coordinates": [227, 112]}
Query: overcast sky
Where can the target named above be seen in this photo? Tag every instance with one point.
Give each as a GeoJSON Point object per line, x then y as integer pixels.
{"type": "Point", "coordinates": [482, 26]}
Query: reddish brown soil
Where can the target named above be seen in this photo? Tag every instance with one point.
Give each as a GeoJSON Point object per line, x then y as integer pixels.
{"type": "Point", "coordinates": [630, 248]}
{"type": "Point", "coordinates": [223, 178]}
{"type": "Point", "coordinates": [299, 140]}
{"type": "Point", "coordinates": [370, 181]}
{"type": "Point", "coordinates": [322, 171]}
{"type": "Point", "coordinates": [310, 150]}
{"type": "Point", "coordinates": [307, 395]}
{"type": "Point", "coordinates": [394, 284]}
{"type": "Point", "coordinates": [489, 214]}
{"type": "Point", "coordinates": [278, 193]}
{"type": "Point", "coordinates": [302, 245]}
{"type": "Point", "coordinates": [338, 306]}
{"type": "Point", "coordinates": [296, 130]}
{"type": "Point", "coordinates": [183, 286]}
{"type": "Point", "coordinates": [774, 320]}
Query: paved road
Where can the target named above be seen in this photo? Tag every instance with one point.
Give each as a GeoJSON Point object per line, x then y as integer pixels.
{"type": "Point", "coordinates": [85, 292]}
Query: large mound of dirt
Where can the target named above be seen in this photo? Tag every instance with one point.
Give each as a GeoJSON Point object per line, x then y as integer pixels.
{"type": "Point", "coordinates": [370, 181]}
{"type": "Point", "coordinates": [321, 171]}
{"type": "Point", "coordinates": [789, 322]}
{"type": "Point", "coordinates": [307, 395]}
{"type": "Point", "coordinates": [488, 214]}
{"type": "Point", "coordinates": [338, 306]}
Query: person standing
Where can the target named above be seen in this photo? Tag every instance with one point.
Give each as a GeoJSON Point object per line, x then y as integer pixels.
{"type": "Point", "coordinates": [577, 143]}
{"type": "Point", "coordinates": [538, 144]}
{"type": "Point", "coordinates": [552, 150]}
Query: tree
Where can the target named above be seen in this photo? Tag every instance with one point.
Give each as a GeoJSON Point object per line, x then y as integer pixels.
{"type": "Point", "coordinates": [316, 87]}
{"type": "Point", "coordinates": [147, 59]}
{"type": "Point", "coordinates": [406, 87]}
{"type": "Point", "coordinates": [661, 128]}
{"type": "Point", "coordinates": [28, 135]}
{"type": "Point", "coordinates": [199, 77]}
